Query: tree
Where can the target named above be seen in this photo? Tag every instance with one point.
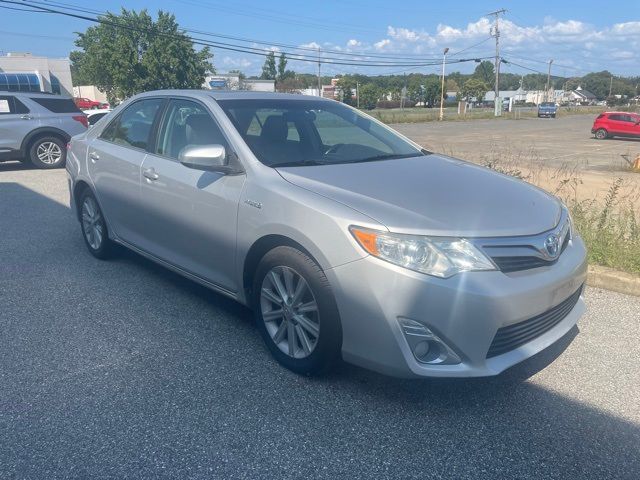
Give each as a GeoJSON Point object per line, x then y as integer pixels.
{"type": "Point", "coordinates": [345, 86]}
{"type": "Point", "coordinates": [474, 88]}
{"type": "Point", "coordinates": [131, 53]}
{"type": "Point", "coordinates": [425, 90]}
{"type": "Point", "coordinates": [368, 96]}
{"type": "Point", "coordinates": [269, 67]}
{"type": "Point", "coordinates": [486, 72]}
{"type": "Point", "coordinates": [282, 66]}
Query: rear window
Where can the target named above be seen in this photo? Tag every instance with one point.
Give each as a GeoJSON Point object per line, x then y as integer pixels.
{"type": "Point", "coordinates": [57, 105]}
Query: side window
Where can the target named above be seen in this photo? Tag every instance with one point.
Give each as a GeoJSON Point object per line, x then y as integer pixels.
{"type": "Point", "coordinates": [187, 123]}
{"type": "Point", "coordinates": [615, 117]}
{"type": "Point", "coordinates": [20, 107]}
{"type": "Point", "coordinates": [132, 128]}
{"type": "Point", "coordinates": [6, 105]}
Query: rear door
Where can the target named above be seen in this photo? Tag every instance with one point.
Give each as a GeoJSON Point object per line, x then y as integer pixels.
{"type": "Point", "coordinates": [114, 161]}
{"type": "Point", "coordinates": [190, 215]}
{"type": "Point", "coordinates": [16, 121]}
{"type": "Point", "coordinates": [635, 129]}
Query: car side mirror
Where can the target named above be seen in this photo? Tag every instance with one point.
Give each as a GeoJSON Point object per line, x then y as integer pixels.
{"type": "Point", "coordinates": [204, 157]}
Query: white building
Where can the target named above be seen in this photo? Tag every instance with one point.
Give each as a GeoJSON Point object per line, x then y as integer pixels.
{"type": "Point", "coordinates": [226, 81]}
{"type": "Point", "coordinates": [24, 72]}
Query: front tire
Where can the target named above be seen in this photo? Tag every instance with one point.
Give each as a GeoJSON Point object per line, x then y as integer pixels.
{"type": "Point", "coordinates": [296, 312]}
{"type": "Point", "coordinates": [48, 152]}
{"type": "Point", "coordinates": [601, 134]}
{"type": "Point", "coordinates": [94, 227]}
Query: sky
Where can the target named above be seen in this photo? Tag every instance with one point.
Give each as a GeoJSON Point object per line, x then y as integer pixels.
{"type": "Point", "coordinates": [579, 36]}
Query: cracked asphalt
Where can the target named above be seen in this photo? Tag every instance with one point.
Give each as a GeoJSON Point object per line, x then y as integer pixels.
{"type": "Point", "coordinates": [122, 369]}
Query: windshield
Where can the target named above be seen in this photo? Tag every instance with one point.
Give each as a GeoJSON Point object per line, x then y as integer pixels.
{"type": "Point", "coordinates": [547, 104]}
{"type": "Point", "coordinates": [312, 132]}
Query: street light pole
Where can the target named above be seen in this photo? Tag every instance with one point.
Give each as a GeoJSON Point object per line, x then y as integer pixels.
{"type": "Point", "coordinates": [444, 62]}
{"type": "Point", "coordinates": [548, 80]}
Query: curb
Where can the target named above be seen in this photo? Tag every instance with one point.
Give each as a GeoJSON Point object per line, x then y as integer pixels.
{"type": "Point", "coordinates": [610, 279]}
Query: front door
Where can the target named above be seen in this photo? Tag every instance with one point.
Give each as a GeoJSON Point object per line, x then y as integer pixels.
{"type": "Point", "coordinates": [189, 215]}
{"type": "Point", "coordinates": [115, 159]}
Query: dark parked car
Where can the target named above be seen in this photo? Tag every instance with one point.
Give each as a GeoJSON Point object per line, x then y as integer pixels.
{"type": "Point", "coordinates": [547, 109]}
{"type": "Point", "coordinates": [616, 124]}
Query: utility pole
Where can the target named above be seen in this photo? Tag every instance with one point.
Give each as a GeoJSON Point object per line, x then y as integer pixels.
{"type": "Point", "coordinates": [358, 94]}
{"type": "Point", "coordinates": [444, 61]}
{"type": "Point", "coordinates": [611, 85]}
{"type": "Point", "coordinates": [496, 34]}
{"type": "Point", "coordinates": [319, 78]}
{"type": "Point", "coordinates": [548, 80]}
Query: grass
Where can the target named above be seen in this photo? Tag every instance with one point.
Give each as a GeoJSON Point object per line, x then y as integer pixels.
{"type": "Point", "coordinates": [610, 227]}
{"type": "Point", "coordinates": [420, 114]}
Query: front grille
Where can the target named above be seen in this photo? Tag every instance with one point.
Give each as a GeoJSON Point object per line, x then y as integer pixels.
{"type": "Point", "coordinates": [508, 264]}
{"type": "Point", "coordinates": [513, 336]}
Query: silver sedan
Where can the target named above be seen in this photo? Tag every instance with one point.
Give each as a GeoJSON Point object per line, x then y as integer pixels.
{"type": "Point", "coordinates": [348, 240]}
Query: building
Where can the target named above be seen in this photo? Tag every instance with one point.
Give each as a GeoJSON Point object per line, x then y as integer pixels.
{"type": "Point", "coordinates": [24, 72]}
{"type": "Point", "coordinates": [230, 81]}
{"type": "Point", "coordinates": [580, 96]}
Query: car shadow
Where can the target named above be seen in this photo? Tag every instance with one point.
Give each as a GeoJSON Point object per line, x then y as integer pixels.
{"type": "Point", "coordinates": [15, 165]}
{"type": "Point", "coordinates": [127, 368]}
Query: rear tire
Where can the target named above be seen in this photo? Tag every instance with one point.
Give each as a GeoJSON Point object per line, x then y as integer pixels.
{"type": "Point", "coordinates": [48, 152]}
{"type": "Point", "coordinates": [601, 134]}
{"type": "Point", "coordinates": [302, 328]}
{"type": "Point", "coordinates": [94, 227]}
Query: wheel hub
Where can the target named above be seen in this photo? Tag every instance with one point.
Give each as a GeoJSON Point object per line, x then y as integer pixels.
{"type": "Point", "coordinates": [290, 312]}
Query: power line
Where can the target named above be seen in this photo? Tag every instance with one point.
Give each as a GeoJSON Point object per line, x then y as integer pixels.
{"type": "Point", "coordinates": [235, 47]}
{"type": "Point", "coordinates": [404, 56]}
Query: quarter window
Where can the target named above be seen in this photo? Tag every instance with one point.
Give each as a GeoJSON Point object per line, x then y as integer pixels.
{"type": "Point", "coordinates": [187, 123]}
{"type": "Point", "coordinates": [132, 128]}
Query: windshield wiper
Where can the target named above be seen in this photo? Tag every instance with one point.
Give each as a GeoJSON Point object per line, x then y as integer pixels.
{"type": "Point", "coordinates": [386, 156]}
{"type": "Point", "coordinates": [296, 164]}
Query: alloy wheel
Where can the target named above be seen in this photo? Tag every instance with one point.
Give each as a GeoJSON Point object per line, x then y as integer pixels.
{"type": "Point", "coordinates": [92, 223]}
{"type": "Point", "coordinates": [290, 312]}
{"type": "Point", "coordinates": [49, 153]}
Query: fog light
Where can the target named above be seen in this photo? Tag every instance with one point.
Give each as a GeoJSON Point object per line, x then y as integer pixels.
{"type": "Point", "coordinates": [425, 345]}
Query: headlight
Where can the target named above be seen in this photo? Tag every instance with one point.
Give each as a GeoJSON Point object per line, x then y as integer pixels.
{"type": "Point", "coordinates": [437, 256]}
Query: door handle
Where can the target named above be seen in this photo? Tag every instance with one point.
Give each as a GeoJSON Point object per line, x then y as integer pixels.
{"type": "Point", "coordinates": [150, 173]}
{"type": "Point", "coordinates": [94, 157]}
{"type": "Point", "coordinates": [26, 117]}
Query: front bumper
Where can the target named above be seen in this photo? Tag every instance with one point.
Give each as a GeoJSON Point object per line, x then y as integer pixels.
{"type": "Point", "coordinates": [465, 311]}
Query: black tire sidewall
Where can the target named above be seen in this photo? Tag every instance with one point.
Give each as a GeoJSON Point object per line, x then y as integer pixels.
{"type": "Point", "coordinates": [327, 351]}
{"type": "Point", "coordinates": [604, 136]}
{"type": "Point", "coordinates": [106, 247]}
{"type": "Point", "coordinates": [33, 152]}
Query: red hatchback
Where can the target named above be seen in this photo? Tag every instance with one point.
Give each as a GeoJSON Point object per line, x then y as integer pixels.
{"type": "Point", "coordinates": [616, 124]}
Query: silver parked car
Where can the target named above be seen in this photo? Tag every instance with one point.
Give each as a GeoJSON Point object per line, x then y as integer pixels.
{"type": "Point", "coordinates": [35, 127]}
{"type": "Point", "coordinates": [347, 239]}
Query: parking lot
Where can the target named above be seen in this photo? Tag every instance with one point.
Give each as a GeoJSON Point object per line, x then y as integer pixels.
{"type": "Point", "coordinates": [548, 142]}
{"type": "Point", "coordinates": [122, 369]}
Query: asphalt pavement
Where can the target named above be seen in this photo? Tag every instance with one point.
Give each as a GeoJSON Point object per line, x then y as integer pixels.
{"type": "Point", "coordinates": [552, 142]}
{"type": "Point", "coordinates": [121, 369]}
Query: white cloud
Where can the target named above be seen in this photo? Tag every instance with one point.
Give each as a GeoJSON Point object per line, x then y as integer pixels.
{"type": "Point", "coordinates": [382, 44]}
{"type": "Point", "coordinates": [236, 62]}
{"type": "Point", "coordinates": [580, 46]}
{"type": "Point", "coordinates": [311, 45]}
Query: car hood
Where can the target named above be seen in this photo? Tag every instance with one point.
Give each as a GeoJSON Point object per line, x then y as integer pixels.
{"type": "Point", "coordinates": [433, 195]}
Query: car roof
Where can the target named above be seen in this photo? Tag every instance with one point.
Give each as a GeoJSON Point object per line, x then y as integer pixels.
{"type": "Point", "coordinates": [620, 113]}
{"type": "Point", "coordinates": [231, 95]}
